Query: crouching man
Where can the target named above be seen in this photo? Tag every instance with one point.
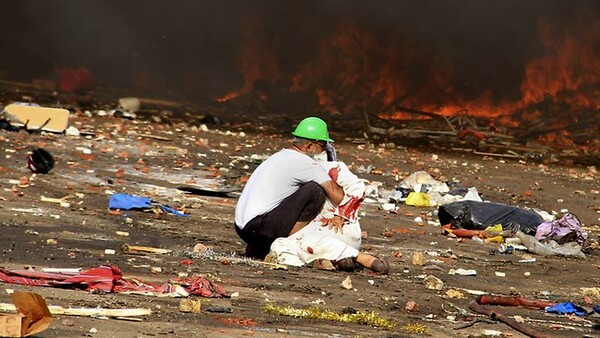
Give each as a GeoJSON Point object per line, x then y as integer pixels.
{"type": "Point", "coordinates": [287, 191]}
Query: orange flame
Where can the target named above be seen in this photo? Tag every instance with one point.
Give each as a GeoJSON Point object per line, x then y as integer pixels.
{"type": "Point", "coordinates": [354, 69]}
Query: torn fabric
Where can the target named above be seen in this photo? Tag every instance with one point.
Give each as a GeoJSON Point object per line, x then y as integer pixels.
{"type": "Point", "coordinates": [108, 278]}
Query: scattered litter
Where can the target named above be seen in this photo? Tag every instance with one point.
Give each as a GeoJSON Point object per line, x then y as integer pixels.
{"type": "Point", "coordinates": [347, 283]}
{"type": "Point", "coordinates": [130, 104]}
{"type": "Point", "coordinates": [452, 293]}
{"type": "Point", "coordinates": [62, 201]}
{"type": "Point", "coordinates": [33, 315]}
{"type": "Point", "coordinates": [40, 161]}
{"type": "Point", "coordinates": [530, 260]}
{"type": "Point", "coordinates": [131, 202]}
{"type": "Point", "coordinates": [62, 270]}
{"type": "Point", "coordinates": [462, 272]}
{"type": "Point", "coordinates": [418, 199]}
{"type": "Point", "coordinates": [200, 248]}
{"type": "Point", "coordinates": [36, 117]}
{"type": "Point", "coordinates": [561, 230]}
{"type": "Point", "coordinates": [567, 308]}
{"type": "Point", "coordinates": [590, 292]}
{"type": "Point", "coordinates": [433, 283]}
{"type": "Point", "coordinates": [419, 258]}
{"type": "Point", "coordinates": [411, 306]}
{"type": "Point", "coordinates": [137, 249]}
{"type": "Point", "coordinates": [190, 305]}
{"type": "Point", "coordinates": [72, 131]}
{"type": "Point", "coordinates": [492, 333]}
{"type": "Point", "coordinates": [219, 309]}
{"type": "Point", "coordinates": [551, 247]}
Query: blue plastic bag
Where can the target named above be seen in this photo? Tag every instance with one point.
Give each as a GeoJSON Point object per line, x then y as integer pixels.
{"type": "Point", "coordinates": [128, 202]}
{"type": "Point", "coordinates": [567, 309]}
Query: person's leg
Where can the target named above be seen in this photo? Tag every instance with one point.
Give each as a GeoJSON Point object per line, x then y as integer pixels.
{"type": "Point", "coordinates": [295, 211]}
{"type": "Point", "coordinates": [373, 263]}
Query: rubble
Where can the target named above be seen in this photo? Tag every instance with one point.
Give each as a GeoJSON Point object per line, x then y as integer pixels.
{"type": "Point", "coordinates": [60, 220]}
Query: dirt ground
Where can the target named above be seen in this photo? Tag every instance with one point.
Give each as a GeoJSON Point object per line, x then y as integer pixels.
{"type": "Point", "coordinates": [117, 155]}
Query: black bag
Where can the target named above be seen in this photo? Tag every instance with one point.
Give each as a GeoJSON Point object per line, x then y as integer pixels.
{"type": "Point", "coordinates": [473, 215]}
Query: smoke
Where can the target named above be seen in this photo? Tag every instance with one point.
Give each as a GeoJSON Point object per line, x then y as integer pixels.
{"type": "Point", "coordinates": [203, 49]}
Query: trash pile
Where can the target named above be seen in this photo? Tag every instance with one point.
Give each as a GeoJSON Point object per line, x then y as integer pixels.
{"type": "Point", "coordinates": [463, 214]}
{"type": "Point", "coordinates": [521, 229]}
{"type": "Point", "coordinates": [421, 190]}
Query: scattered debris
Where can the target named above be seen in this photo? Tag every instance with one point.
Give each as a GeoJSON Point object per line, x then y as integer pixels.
{"type": "Point", "coordinates": [32, 315]}
{"type": "Point", "coordinates": [411, 306]}
{"type": "Point", "coordinates": [219, 309]}
{"type": "Point", "coordinates": [48, 119]}
{"type": "Point", "coordinates": [40, 161]}
{"type": "Point", "coordinates": [190, 305]}
{"type": "Point", "coordinates": [347, 283]}
{"type": "Point", "coordinates": [433, 283]}
{"type": "Point", "coordinates": [137, 249]}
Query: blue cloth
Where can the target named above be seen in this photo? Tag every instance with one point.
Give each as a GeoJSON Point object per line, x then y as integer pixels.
{"type": "Point", "coordinates": [128, 202]}
{"type": "Point", "coordinates": [566, 309]}
{"type": "Point", "coordinates": [170, 210]}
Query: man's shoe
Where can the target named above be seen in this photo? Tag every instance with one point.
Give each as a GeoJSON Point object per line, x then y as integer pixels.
{"type": "Point", "coordinates": [346, 264]}
{"type": "Point", "coordinates": [380, 266]}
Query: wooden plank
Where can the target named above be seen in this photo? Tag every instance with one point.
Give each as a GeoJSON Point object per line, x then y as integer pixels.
{"type": "Point", "coordinates": [143, 249]}
{"type": "Point", "coordinates": [86, 312]}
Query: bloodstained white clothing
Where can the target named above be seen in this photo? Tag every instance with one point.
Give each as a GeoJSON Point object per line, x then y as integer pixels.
{"type": "Point", "coordinates": [275, 179]}
{"type": "Point", "coordinates": [315, 241]}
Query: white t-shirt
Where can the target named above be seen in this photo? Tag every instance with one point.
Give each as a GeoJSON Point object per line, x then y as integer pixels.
{"type": "Point", "coordinates": [275, 179]}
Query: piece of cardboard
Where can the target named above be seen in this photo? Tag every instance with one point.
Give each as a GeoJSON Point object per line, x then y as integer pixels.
{"type": "Point", "coordinates": [33, 317]}
{"type": "Point", "coordinates": [49, 119]}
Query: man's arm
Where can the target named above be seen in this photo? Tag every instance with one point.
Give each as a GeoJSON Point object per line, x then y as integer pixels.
{"type": "Point", "coordinates": [334, 192]}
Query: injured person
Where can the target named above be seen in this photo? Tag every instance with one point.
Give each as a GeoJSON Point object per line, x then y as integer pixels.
{"type": "Point", "coordinates": [335, 234]}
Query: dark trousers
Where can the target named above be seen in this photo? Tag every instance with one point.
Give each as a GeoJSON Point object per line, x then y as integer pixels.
{"type": "Point", "coordinates": [301, 206]}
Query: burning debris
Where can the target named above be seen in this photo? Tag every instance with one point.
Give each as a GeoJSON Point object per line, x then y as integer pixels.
{"type": "Point", "coordinates": [466, 102]}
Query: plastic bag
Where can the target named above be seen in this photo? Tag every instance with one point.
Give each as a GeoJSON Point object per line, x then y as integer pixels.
{"type": "Point", "coordinates": [418, 199]}
{"type": "Point", "coordinates": [474, 215]}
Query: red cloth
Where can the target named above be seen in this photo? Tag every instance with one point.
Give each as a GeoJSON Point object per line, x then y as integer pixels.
{"type": "Point", "coordinates": [109, 278]}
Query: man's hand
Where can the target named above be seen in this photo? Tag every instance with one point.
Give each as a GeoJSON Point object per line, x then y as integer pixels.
{"type": "Point", "coordinates": [336, 223]}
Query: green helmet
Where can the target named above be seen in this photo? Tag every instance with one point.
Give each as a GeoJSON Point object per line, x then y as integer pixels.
{"type": "Point", "coordinates": [312, 128]}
